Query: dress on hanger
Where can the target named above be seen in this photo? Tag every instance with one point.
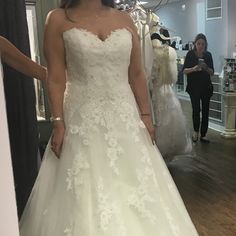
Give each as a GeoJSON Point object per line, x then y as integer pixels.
{"type": "Point", "coordinates": [141, 20]}
{"type": "Point", "coordinates": [172, 136]}
{"type": "Point", "coordinates": [110, 179]}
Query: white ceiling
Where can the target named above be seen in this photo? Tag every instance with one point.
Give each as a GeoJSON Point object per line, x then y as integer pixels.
{"type": "Point", "coordinates": [153, 3]}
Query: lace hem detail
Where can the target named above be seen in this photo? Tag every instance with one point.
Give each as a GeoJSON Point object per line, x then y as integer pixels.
{"type": "Point", "coordinates": [75, 176]}
{"type": "Point", "coordinates": [140, 196]}
{"type": "Point", "coordinates": [108, 210]}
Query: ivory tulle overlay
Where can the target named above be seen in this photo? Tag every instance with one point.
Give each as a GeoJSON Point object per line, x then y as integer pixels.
{"type": "Point", "coordinates": [110, 179]}
{"type": "Point", "coordinates": [172, 136]}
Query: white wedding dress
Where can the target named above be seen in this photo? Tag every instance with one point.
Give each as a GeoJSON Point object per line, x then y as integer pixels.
{"type": "Point", "coordinates": [110, 179]}
{"type": "Point", "coordinates": [172, 135]}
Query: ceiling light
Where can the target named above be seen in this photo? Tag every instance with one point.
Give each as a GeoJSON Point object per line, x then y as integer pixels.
{"type": "Point", "coordinates": [143, 2]}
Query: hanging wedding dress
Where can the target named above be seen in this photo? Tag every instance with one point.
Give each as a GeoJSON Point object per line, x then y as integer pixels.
{"type": "Point", "coordinates": [110, 180]}
{"type": "Point", "coordinates": [142, 20]}
{"type": "Point", "coordinates": [172, 136]}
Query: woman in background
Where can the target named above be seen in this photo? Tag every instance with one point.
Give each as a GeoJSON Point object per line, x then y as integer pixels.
{"type": "Point", "coordinates": [198, 67]}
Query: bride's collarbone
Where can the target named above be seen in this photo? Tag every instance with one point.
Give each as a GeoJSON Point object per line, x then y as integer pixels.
{"type": "Point", "coordinates": [102, 32]}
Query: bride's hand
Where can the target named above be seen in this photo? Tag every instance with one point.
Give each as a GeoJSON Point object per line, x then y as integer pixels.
{"type": "Point", "coordinates": [147, 120]}
{"type": "Point", "coordinates": [57, 138]}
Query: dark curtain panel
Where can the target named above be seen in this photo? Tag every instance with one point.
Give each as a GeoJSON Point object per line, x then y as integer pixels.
{"type": "Point", "coordinates": [20, 102]}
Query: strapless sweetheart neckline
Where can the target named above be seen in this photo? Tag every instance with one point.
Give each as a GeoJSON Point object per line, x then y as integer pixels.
{"type": "Point", "coordinates": [108, 36]}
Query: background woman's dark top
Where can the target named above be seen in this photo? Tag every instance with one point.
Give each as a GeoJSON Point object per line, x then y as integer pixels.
{"type": "Point", "coordinates": [199, 81]}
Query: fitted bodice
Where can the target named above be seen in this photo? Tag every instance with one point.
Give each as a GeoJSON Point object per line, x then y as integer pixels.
{"type": "Point", "coordinates": [92, 61]}
{"type": "Point", "coordinates": [97, 73]}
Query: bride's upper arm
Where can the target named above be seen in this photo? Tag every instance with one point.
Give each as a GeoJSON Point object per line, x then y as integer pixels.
{"type": "Point", "coordinates": [136, 66]}
{"type": "Point", "coordinates": [54, 45]}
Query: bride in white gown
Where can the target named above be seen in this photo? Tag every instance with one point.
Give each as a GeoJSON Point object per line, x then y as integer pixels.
{"type": "Point", "coordinates": [109, 179]}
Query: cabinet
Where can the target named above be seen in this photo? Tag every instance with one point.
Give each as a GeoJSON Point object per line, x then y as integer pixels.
{"type": "Point", "coordinates": [229, 97]}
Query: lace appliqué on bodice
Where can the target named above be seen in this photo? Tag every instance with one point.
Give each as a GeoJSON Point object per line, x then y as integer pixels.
{"type": "Point", "coordinates": [100, 99]}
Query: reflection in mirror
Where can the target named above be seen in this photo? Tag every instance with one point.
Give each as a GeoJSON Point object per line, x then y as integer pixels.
{"type": "Point", "coordinates": [34, 49]}
{"type": "Point", "coordinates": [203, 169]}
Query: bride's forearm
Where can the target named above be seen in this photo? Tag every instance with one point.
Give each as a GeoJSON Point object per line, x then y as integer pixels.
{"type": "Point", "coordinates": [56, 97]}
{"type": "Point", "coordinates": [140, 90]}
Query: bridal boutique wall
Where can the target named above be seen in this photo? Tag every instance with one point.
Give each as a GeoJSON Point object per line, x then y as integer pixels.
{"type": "Point", "coordinates": [231, 26]}
{"type": "Point", "coordinates": [188, 17]}
{"type": "Point", "coordinates": [184, 17]}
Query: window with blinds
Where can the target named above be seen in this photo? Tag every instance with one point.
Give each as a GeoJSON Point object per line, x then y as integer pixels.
{"type": "Point", "coordinates": [213, 9]}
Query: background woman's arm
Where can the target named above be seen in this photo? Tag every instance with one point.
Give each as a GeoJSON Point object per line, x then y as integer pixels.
{"type": "Point", "coordinates": [189, 66]}
{"type": "Point", "coordinates": [192, 69]}
{"type": "Point", "coordinates": [210, 68]}
{"type": "Point", "coordinates": [209, 71]}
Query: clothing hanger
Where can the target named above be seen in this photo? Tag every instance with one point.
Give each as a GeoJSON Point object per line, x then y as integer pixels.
{"type": "Point", "coordinates": [164, 37]}
{"type": "Point", "coordinates": [139, 7]}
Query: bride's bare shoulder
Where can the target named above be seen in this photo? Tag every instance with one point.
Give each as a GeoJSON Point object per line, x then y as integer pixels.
{"type": "Point", "coordinates": [125, 18]}
{"type": "Point", "coordinates": [56, 17]}
{"type": "Point", "coordinates": [121, 14]}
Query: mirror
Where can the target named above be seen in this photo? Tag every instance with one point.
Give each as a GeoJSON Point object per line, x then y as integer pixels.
{"type": "Point", "coordinates": [181, 172]}
{"type": "Point", "coordinates": [35, 56]}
